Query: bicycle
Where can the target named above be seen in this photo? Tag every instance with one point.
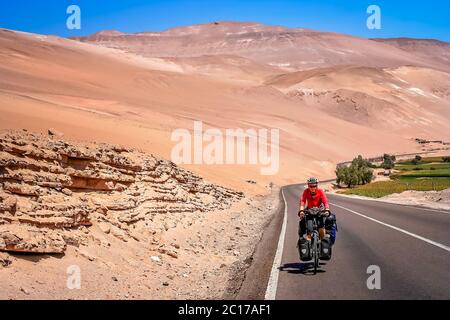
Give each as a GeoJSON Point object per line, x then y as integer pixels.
{"type": "Point", "coordinates": [312, 226]}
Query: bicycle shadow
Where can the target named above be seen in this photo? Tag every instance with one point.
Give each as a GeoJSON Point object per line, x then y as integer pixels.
{"type": "Point", "coordinates": [305, 268]}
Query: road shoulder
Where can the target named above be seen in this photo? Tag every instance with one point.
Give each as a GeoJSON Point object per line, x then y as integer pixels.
{"type": "Point", "coordinates": [257, 273]}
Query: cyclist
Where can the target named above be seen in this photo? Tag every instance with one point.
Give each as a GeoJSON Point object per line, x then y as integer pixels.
{"type": "Point", "coordinates": [313, 197]}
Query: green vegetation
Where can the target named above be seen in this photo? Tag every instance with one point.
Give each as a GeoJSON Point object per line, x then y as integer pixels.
{"type": "Point", "coordinates": [424, 160]}
{"type": "Point", "coordinates": [358, 173]}
{"type": "Point", "coordinates": [416, 160]}
{"type": "Point", "coordinates": [423, 166]}
{"type": "Point", "coordinates": [388, 162]}
{"type": "Point", "coordinates": [384, 188]}
{"type": "Point", "coordinates": [421, 174]}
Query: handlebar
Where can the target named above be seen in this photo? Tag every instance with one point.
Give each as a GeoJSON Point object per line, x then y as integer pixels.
{"type": "Point", "coordinates": [316, 212]}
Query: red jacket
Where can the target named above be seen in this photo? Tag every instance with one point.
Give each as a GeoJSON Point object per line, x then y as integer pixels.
{"type": "Point", "coordinates": [314, 201]}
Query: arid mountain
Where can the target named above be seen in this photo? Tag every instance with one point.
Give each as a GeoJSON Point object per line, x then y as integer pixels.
{"type": "Point", "coordinates": [430, 49]}
{"type": "Point", "coordinates": [290, 48]}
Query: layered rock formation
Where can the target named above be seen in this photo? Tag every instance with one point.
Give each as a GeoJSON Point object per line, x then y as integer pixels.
{"type": "Point", "coordinates": [53, 191]}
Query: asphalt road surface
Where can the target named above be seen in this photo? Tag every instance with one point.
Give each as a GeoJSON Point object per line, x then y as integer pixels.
{"type": "Point", "coordinates": [410, 245]}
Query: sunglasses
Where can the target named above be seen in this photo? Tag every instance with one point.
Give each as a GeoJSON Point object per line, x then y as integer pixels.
{"type": "Point", "coordinates": [312, 186]}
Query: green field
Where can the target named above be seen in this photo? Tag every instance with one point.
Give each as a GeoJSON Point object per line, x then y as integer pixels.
{"type": "Point", "coordinates": [429, 174]}
{"type": "Point", "coordinates": [384, 188]}
{"type": "Point", "coordinates": [424, 160]}
{"type": "Point", "coordinates": [425, 166]}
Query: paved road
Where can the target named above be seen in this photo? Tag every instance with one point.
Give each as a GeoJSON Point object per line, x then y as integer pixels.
{"type": "Point", "coordinates": [414, 261]}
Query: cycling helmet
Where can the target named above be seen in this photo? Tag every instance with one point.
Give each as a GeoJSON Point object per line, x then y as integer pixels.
{"type": "Point", "coordinates": [312, 180]}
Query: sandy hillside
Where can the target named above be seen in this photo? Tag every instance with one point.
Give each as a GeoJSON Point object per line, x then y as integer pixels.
{"type": "Point", "coordinates": [90, 92]}
{"type": "Point", "coordinates": [425, 48]}
{"type": "Point", "coordinates": [393, 99]}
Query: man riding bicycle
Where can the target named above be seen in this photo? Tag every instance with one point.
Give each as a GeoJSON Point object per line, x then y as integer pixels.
{"type": "Point", "coordinates": [313, 197]}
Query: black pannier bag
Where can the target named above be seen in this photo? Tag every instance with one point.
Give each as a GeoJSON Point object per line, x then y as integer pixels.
{"type": "Point", "coordinates": [325, 249]}
{"type": "Point", "coordinates": [304, 249]}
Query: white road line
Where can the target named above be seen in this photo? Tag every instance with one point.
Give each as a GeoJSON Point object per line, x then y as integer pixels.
{"type": "Point", "coordinates": [434, 243]}
{"type": "Point", "coordinates": [444, 211]}
{"type": "Point", "coordinates": [271, 290]}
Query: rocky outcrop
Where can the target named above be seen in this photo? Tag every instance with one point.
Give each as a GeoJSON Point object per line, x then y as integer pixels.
{"type": "Point", "coordinates": [51, 190]}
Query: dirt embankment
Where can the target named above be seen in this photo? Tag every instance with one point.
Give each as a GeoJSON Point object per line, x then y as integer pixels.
{"type": "Point", "coordinates": [439, 200]}
{"type": "Point", "coordinates": [134, 225]}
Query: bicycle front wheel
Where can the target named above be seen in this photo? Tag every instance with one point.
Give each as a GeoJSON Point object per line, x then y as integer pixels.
{"type": "Point", "coordinates": [316, 253]}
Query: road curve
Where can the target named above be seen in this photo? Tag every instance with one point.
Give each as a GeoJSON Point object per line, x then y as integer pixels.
{"type": "Point", "coordinates": [409, 244]}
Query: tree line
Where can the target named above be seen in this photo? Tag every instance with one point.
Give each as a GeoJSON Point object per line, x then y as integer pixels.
{"type": "Point", "coordinates": [360, 171]}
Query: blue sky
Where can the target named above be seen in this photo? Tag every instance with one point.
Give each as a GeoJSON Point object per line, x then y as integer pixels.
{"type": "Point", "coordinates": [420, 19]}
